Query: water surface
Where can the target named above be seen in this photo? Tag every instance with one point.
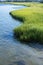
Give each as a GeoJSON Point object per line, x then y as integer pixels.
{"type": "Point", "coordinates": [12, 52]}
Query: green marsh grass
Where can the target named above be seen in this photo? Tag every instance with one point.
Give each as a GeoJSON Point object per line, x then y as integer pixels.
{"type": "Point", "coordinates": [32, 28]}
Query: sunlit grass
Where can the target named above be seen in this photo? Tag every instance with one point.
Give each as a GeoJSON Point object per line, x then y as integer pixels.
{"type": "Point", "coordinates": [32, 28]}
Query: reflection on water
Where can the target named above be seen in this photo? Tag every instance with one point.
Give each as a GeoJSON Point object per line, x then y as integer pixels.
{"type": "Point", "coordinates": [12, 52]}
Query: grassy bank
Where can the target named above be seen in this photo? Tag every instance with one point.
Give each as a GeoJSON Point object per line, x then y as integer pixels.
{"type": "Point", "coordinates": [32, 4]}
{"type": "Point", "coordinates": [32, 28]}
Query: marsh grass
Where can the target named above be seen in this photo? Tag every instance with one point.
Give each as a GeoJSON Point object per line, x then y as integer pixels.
{"type": "Point", "coordinates": [32, 28]}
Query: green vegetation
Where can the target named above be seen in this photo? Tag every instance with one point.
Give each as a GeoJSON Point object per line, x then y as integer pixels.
{"type": "Point", "coordinates": [32, 28]}
{"type": "Point", "coordinates": [32, 4]}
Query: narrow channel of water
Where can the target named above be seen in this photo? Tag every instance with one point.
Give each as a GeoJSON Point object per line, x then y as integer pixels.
{"type": "Point", "coordinates": [12, 52]}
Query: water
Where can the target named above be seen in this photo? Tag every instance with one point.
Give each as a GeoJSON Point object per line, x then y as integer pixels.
{"type": "Point", "coordinates": [12, 52]}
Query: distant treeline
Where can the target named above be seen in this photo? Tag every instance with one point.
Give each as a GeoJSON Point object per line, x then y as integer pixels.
{"type": "Point", "coordinates": [21, 0]}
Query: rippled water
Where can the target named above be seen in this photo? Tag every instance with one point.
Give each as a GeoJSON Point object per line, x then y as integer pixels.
{"type": "Point", "coordinates": [12, 52]}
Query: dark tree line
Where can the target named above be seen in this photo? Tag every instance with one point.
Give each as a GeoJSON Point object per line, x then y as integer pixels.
{"type": "Point", "coordinates": [23, 0]}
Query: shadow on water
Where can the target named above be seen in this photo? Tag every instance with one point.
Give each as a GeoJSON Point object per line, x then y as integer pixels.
{"type": "Point", "coordinates": [21, 62]}
{"type": "Point", "coordinates": [35, 45]}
